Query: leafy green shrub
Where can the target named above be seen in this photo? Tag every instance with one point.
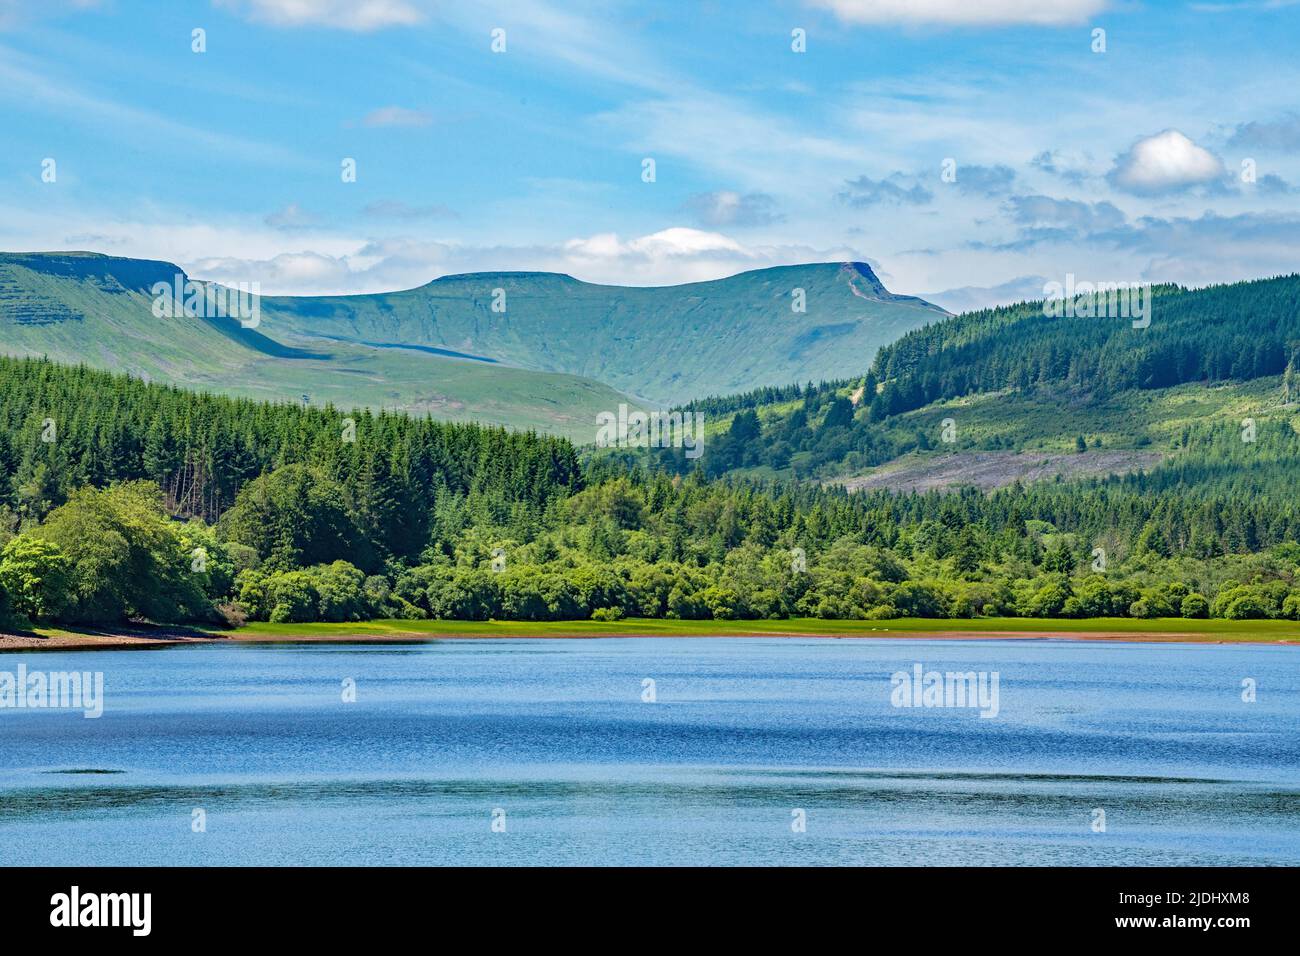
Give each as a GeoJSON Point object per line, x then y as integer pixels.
{"type": "Point", "coordinates": [36, 577]}
{"type": "Point", "coordinates": [126, 558]}
{"type": "Point", "coordinates": [293, 598]}
{"type": "Point", "coordinates": [1048, 600]}
{"type": "Point", "coordinates": [1246, 607]}
{"type": "Point", "coordinates": [326, 592]}
{"type": "Point", "coordinates": [918, 599]}
{"type": "Point", "coordinates": [686, 606]}
{"type": "Point", "coordinates": [1250, 601]}
{"type": "Point", "coordinates": [722, 603]}
{"type": "Point", "coordinates": [293, 517]}
{"type": "Point", "coordinates": [463, 594]}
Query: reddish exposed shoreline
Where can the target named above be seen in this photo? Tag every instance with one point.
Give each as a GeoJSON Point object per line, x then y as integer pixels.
{"type": "Point", "coordinates": [102, 640]}
{"type": "Point", "coordinates": [153, 638]}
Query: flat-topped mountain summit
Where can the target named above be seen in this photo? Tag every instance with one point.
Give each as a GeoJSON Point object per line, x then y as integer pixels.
{"type": "Point", "coordinates": [531, 349]}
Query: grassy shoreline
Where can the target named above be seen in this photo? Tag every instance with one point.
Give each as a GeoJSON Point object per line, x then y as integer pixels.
{"type": "Point", "coordinates": [1179, 630]}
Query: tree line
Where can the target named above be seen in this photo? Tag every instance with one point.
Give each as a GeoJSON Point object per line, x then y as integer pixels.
{"type": "Point", "coordinates": [335, 517]}
{"type": "Point", "coordinates": [65, 428]}
{"type": "Point", "coordinates": [1239, 331]}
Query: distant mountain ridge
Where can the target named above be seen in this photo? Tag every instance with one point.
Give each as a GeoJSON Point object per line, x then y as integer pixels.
{"type": "Point", "coordinates": [529, 349]}
{"type": "Point", "coordinates": [98, 310]}
{"type": "Point", "coordinates": [667, 344]}
{"type": "Point", "coordinates": [132, 275]}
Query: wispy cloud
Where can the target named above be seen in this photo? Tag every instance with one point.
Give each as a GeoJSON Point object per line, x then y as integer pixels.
{"type": "Point", "coordinates": [1072, 166]}
{"type": "Point", "coordinates": [398, 210]}
{"type": "Point", "coordinates": [25, 84]}
{"type": "Point", "coordinates": [397, 116]}
{"type": "Point", "coordinates": [1044, 211]}
{"type": "Point", "coordinates": [550, 136]}
{"type": "Point", "coordinates": [980, 180]}
{"type": "Point", "coordinates": [726, 207]}
{"type": "Point", "coordinates": [730, 138]}
{"type": "Point", "coordinates": [965, 12]}
{"type": "Point", "coordinates": [14, 13]}
{"type": "Point", "coordinates": [897, 189]}
{"type": "Point", "coordinates": [357, 15]}
{"type": "Point", "coordinates": [292, 216]}
{"type": "Point", "coordinates": [1280, 134]}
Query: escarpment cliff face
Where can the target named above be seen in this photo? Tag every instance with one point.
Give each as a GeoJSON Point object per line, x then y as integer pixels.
{"type": "Point", "coordinates": [665, 344]}
{"type": "Point", "coordinates": [104, 312]}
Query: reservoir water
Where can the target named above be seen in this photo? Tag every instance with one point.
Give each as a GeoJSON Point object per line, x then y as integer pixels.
{"type": "Point", "coordinates": [661, 751]}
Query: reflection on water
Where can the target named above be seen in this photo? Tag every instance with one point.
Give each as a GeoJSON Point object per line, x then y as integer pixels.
{"type": "Point", "coordinates": [742, 734]}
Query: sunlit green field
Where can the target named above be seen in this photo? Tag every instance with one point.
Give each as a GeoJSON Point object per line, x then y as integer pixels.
{"type": "Point", "coordinates": [1158, 628]}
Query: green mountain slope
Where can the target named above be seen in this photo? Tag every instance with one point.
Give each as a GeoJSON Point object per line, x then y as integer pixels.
{"type": "Point", "coordinates": [1207, 393]}
{"type": "Point", "coordinates": [98, 310]}
{"type": "Point", "coordinates": [1240, 331]}
{"type": "Point", "coordinates": [667, 345]}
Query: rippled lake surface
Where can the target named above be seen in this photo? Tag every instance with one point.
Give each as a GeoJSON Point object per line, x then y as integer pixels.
{"type": "Point", "coordinates": [752, 751]}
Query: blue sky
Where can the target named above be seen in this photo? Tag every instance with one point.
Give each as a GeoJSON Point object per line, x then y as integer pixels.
{"type": "Point", "coordinates": [1117, 165]}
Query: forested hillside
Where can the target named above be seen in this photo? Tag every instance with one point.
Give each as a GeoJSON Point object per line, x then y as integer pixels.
{"type": "Point", "coordinates": [1241, 331]}
{"type": "Point", "coordinates": [1209, 387]}
{"type": "Point", "coordinates": [125, 501]}
{"type": "Point", "coordinates": [63, 428]}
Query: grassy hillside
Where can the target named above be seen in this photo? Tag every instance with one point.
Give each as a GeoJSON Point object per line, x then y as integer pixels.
{"type": "Point", "coordinates": [1037, 434]}
{"type": "Point", "coordinates": [1206, 393]}
{"type": "Point", "coordinates": [78, 307]}
{"type": "Point", "coordinates": [666, 345]}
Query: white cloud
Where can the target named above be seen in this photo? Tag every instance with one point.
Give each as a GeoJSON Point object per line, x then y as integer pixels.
{"type": "Point", "coordinates": [359, 15]}
{"type": "Point", "coordinates": [668, 257]}
{"type": "Point", "coordinates": [966, 12]}
{"type": "Point", "coordinates": [285, 273]}
{"type": "Point", "coordinates": [679, 241]}
{"type": "Point", "coordinates": [305, 261]}
{"type": "Point", "coordinates": [1165, 162]}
